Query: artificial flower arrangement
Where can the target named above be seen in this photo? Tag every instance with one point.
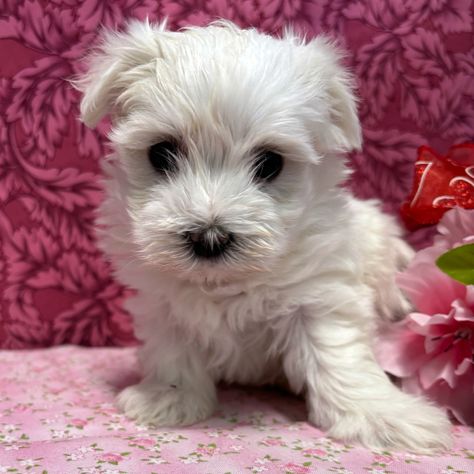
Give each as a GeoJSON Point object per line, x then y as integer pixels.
{"type": "Point", "coordinates": [432, 350]}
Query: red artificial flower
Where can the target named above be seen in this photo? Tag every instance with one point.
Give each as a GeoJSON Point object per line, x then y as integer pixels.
{"type": "Point", "coordinates": [440, 183]}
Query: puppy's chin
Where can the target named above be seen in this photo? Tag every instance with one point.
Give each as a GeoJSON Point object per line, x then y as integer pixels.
{"type": "Point", "coordinates": [222, 288]}
{"type": "Point", "coordinates": [217, 277]}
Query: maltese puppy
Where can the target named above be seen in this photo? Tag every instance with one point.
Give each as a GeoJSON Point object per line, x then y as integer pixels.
{"type": "Point", "coordinates": [224, 209]}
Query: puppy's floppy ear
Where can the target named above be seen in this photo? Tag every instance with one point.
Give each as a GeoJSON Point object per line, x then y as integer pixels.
{"type": "Point", "coordinates": [341, 130]}
{"type": "Point", "coordinates": [107, 76]}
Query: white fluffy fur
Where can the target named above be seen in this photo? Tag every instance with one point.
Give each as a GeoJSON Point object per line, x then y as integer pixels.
{"type": "Point", "coordinates": [298, 300]}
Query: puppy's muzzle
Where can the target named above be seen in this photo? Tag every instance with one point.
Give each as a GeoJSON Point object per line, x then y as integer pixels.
{"type": "Point", "coordinates": [210, 242]}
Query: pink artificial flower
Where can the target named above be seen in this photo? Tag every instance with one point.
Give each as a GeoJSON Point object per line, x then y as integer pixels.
{"type": "Point", "coordinates": [432, 350]}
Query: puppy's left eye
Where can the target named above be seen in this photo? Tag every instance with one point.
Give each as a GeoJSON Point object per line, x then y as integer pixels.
{"type": "Point", "coordinates": [162, 156]}
{"type": "Point", "coordinates": [268, 165]}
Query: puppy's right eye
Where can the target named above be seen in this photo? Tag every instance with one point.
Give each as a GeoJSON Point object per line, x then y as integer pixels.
{"type": "Point", "coordinates": [268, 165]}
{"type": "Point", "coordinates": [162, 156]}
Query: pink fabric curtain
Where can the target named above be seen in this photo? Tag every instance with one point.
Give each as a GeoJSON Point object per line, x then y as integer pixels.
{"type": "Point", "coordinates": [414, 62]}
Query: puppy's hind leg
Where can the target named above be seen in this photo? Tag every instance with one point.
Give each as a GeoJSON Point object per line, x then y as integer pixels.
{"type": "Point", "coordinates": [385, 254]}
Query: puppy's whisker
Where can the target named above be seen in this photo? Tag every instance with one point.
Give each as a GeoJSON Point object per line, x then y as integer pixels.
{"type": "Point", "coordinates": [131, 262]}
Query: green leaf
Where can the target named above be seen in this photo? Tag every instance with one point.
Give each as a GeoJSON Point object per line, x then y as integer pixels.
{"type": "Point", "coordinates": [458, 263]}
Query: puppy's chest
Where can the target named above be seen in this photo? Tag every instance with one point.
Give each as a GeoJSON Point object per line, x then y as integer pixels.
{"type": "Point", "coordinates": [239, 317]}
{"type": "Point", "coordinates": [238, 337]}
{"type": "Point", "coordinates": [243, 355]}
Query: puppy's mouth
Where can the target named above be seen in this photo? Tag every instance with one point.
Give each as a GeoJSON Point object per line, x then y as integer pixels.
{"type": "Point", "coordinates": [219, 289]}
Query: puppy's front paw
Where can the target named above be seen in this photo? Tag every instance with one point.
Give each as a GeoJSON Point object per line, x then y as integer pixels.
{"type": "Point", "coordinates": [166, 405]}
{"type": "Point", "coordinates": [414, 425]}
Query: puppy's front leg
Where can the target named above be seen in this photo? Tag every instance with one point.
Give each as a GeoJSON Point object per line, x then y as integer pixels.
{"type": "Point", "coordinates": [329, 355]}
{"type": "Point", "coordinates": [176, 389]}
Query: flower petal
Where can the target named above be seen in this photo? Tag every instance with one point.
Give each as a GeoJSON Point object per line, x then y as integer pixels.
{"type": "Point", "coordinates": [455, 226]}
{"type": "Point", "coordinates": [461, 311]}
{"type": "Point", "coordinates": [470, 296]}
{"type": "Point", "coordinates": [440, 367]}
{"type": "Point", "coordinates": [425, 324]}
{"type": "Point", "coordinates": [421, 320]}
{"type": "Point", "coordinates": [400, 351]}
{"type": "Point", "coordinates": [428, 288]}
{"type": "Point", "coordinates": [460, 400]}
{"type": "Point", "coordinates": [464, 366]}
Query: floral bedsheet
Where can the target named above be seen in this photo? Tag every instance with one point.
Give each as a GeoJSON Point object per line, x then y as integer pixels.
{"type": "Point", "coordinates": [57, 415]}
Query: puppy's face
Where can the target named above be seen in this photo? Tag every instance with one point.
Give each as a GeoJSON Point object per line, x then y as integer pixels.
{"type": "Point", "coordinates": [222, 134]}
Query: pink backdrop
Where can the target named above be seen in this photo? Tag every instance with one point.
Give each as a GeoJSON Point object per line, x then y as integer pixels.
{"type": "Point", "coordinates": [415, 66]}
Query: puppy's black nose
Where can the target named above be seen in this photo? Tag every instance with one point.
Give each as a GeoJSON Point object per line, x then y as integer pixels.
{"type": "Point", "coordinates": [209, 243]}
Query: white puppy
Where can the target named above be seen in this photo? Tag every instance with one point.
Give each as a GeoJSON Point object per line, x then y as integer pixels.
{"type": "Point", "coordinates": [225, 211]}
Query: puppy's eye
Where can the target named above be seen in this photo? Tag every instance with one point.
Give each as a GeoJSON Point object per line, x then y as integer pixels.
{"type": "Point", "coordinates": [162, 156]}
{"type": "Point", "coordinates": [268, 165]}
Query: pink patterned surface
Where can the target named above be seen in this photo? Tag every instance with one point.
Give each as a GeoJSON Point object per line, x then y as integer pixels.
{"type": "Point", "coordinates": [414, 62]}
{"type": "Point", "coordinates": [57, 416]}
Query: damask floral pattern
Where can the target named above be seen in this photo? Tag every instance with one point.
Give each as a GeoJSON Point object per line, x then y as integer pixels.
{"type": "Point", "coordinates": [57, 416]}
{"type": "Point", "coordinates": [414, 63]}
